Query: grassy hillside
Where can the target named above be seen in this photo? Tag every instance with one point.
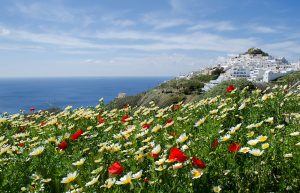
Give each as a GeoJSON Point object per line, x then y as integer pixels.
{"type": "Point", "coordinates": [245, 141]}
{"type": "Point", "coordinates": [189, 90]}
{"type": "Point", "coordinates": [168, 93]}
{"type": "Point", "coordinates": [173, 92]}
{"type": "Point", "coordinates": [289, 79]}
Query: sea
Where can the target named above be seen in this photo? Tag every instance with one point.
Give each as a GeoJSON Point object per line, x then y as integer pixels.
{"type": "Point", "coordinates": [42, 93]}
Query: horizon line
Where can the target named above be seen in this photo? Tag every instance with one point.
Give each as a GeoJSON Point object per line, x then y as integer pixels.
{"type": "Point", "coordinates": [23, 77]}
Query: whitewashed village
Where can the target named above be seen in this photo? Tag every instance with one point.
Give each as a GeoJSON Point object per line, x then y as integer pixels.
{"type": "Point", "coordinates": [254, 65]}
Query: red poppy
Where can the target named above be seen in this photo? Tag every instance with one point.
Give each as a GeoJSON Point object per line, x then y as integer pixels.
{"type": "Point", "coordinates": [100, 120]}
{"type": "Point", "coordinates": [146, 180]}
{"type": "Point", "coordinates": [169, 121]}
{"type": "Point", "coordinates": [215, 144]}
{"type": "Point", "coordinates": [124, 118]}
{"type": "Point", "coordinates": [177, 155]}
{"type": "Point", "coordinates": [115, 168]}
{"type": "Point", "coordinates": [42, 124]}
{"type": "Point", "coordinates": [21, 144]}
{"type": "Point", "coordinates": [146, 126]}
{"type": "Point", "coordinates": [32, 109]}
{"type": "Point", "coordinates": [230, 88]}
{"type": "Point", "coordinates": [77, 134]}
{"type": "Point", "coordinates": [155, 155]}
{"type": "Point", "coordinates": [234, 147]}
{"type": "Point", "coordinates": [198, 162]}
{"type": "Point", "coordinates": [63, 145]}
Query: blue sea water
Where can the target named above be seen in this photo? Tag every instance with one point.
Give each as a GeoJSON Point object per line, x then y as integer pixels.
{"type": "Point", "coordinates": [42, 93]}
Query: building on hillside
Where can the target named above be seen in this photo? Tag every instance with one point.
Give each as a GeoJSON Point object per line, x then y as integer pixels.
{"type": "Point", "coordinates": [272, 75]}
{"type": "Point", "coordinates": [207, 71]}
{"type": "Point", "coordinates": [256, 74]}
{"type": "Point", "coordinates": [253, 67]}
{"type": "Point", "coordinates": [240, 72]}
{"type": "Point", "coordinates": [296, 65]}
{"type": "Point", "coordinates": [121, 95]}
{"type": "Point", "coordinates": [213, 83]}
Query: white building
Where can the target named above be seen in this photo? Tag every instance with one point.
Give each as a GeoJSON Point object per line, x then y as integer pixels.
{"type": "Point", "coordinates": [240, 72]}
{"type": "Point", "coordinates": [121, 95]}
{"type": "Point", "coordinates": [296, 65]}
{"type": "Point", "coordinates": [254, 68]}
{"type": "Point", "coordinates": [213, 83]}
{"type": "Point", "coordinates": [256, 74]}
{"type": "Point", "coordinates": [271, 75]}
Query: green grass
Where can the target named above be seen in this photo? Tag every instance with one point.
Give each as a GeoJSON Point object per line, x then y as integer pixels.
{"type": "Point", "coordinates": [289, 79]}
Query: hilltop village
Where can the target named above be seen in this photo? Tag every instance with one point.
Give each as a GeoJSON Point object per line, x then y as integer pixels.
{"type": "Point", "coordinates": [253, 65]}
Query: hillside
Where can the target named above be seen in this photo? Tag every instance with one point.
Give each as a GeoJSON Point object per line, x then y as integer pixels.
{"type": "Point", "coordinates": [168, 93]}
{"type": "Point", "coordinates": [254, 68]}
{"type": "Point", "coordinates": [189, 90]}
{"type": "Point", "coordinates": [245, 141]}
{"type": "Point", "coordinates": [290, 79]}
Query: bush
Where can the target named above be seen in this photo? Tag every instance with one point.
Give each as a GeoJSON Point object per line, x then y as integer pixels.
{"type": "Point", "coordinates": [127, 100]}
{"type": "Point", "coordinates": [220, 89]}
{"type": "Point", "coordinates": [256, 51]}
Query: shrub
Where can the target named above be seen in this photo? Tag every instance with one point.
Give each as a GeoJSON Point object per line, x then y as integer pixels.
{"type": "Point", "coordinates": [220, 89]}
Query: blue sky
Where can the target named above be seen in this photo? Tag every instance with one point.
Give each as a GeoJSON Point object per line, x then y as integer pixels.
{"type": "Point", "coordinates": [139, 37]}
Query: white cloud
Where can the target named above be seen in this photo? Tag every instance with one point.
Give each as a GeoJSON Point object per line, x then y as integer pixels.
{"type": "Point", "coordinates": [52, 39]}
{"type": "Point", "coordinates": [16, 46]}
{"type": "Point", "coordinates": [144, 41]}
{"type": "Point", "coordinates": [124, 22]}
{"type": "Point", "coordinates": [262, 29]}
{"type": "Point", "coordinates": [188, 41]}
{"type": "Point", "coordinates": [94, 61]}
{"type": "Point", "coordinates": [169, 23]}
{"type": "Point", "coordinates": [158, 21]}
{"type": "Point", "coordinates": [117, 20]}
{"type": "Point", "coordinates": [4, 31]}
{"type": "Point", "coordinates": [203, 8]}
{"type": "Point", "coordinates": [161, 65]}
{"type": "Point", "coordinates": [45, 11]}
{"type": "Point", "coordinates": [284, 48]}
{"type": "Point", "coordinates": [177, 5]}
{"type": "Point", "coordinates": [215, 25]}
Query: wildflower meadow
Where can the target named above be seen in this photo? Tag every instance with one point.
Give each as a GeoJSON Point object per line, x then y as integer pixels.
{"type": "Point", "coordinates": [247, 141]}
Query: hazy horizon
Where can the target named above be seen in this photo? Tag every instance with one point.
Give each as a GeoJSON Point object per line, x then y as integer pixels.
{"type": "Point", "coordinates": [70, 77]}
{"type": "Point", "coordinates": [138, 37]}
